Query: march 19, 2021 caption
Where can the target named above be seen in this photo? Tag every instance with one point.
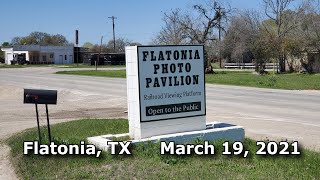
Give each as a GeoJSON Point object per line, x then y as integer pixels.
{"type": "Point", "coordinates": [166, 148]}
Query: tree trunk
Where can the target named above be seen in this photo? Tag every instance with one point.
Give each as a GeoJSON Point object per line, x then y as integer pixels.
{"type": "Point", "coordinates": [282, 63]}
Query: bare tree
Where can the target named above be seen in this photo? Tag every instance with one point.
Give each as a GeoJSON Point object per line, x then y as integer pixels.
{"type": "Point", "coordinates": [243, 30]}
{"type": "Point", "coordinates": [121, 43]}
{"type": "Point", "coordinates": [104, 48]}
{"type": "Point", "coordinates": [198, 27]}
{"type": "Point", "coordinates": [172, 32]}
{"type": "Point", "coordinates": [201, 29]}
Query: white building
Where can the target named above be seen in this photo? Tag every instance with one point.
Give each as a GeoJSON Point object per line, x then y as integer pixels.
{"type": "Point", "coordinates": [36, 54]}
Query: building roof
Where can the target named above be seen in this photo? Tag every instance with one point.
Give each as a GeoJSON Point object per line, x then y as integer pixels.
{"type": "Point", "coordinates": [35, 47]}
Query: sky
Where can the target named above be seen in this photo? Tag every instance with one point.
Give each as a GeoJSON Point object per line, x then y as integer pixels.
{"type": "Point", "coordinates": [137, 20]}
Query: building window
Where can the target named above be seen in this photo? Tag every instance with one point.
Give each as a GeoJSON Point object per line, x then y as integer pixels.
{"type": "Point", "coordinates": [65, 57]}
{"type": "Point", "coordinates": [51, 56]}
{"type": "Point", "coordinates": [44, 58]}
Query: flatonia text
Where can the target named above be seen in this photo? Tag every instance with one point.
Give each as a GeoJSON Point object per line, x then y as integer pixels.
{"type": "Point", "coordinates": [54, 149]}
{"type": "Point", "coordinates": [171, 62]}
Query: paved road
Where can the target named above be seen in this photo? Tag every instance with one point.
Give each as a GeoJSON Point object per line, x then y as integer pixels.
{"type": "Point", "coordinates": [264, 113]}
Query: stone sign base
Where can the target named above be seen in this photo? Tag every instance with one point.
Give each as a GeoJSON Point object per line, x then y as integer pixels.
{"type": "Point", "coordinates": [214, 131]}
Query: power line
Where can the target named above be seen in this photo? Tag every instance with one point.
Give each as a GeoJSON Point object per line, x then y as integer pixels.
{"type": "Point", "coordinates": [114, 36]}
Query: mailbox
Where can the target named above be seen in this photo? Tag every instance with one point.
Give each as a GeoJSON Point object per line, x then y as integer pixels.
{"type": "Point", "coordinates": [36, 96]}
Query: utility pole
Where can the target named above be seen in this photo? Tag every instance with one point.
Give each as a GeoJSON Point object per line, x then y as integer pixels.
{"type": "Point", "coordinates": [218, 9]}
{"type": "Point", "coordinates": [77, 46]}
{"type": "Point", "coordinates": [98, 59]}
{"type": "Point", "coordinates": [219, 24]}
{"type": "Point", "coordinates": [114, 37]}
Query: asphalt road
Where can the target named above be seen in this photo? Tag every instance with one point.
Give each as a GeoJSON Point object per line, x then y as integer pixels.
{"type": "Point", "coordinates": [264, 113]}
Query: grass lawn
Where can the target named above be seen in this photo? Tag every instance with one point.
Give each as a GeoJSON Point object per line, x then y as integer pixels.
{"type": "Point", "coordinates": [146, 161]}
{"type": "Point", "coordinates": [215, 65]}
{"type": "Point", "coordinates": [61, 66]}
{"type": "Point", "coordinates": [29, 65]}
{"type": "Point", "coordinates": [292, 81]}
{"type": "Point", "coordinates": [240, 78]}
{"type": "Point", "coordinates": [11, 66]}
{"type": "Point", "coordinates": [100, 73]}
{"type": "Point", "coordinates": [89, 66]}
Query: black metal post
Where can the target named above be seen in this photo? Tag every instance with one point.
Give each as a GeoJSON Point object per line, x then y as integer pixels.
{"type": "Point", "coordinates": [39, 132]}
{"type": "Point", "coordinates": [49, 132]}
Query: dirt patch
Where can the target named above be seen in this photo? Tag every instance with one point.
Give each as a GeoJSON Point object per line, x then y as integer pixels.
{"type": "Point", "coordinates": [6, 169]}
{"type": "Point", "coordinates": [91, 113]}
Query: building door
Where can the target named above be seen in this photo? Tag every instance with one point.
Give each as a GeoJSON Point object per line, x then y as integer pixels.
{"type": "Point", "coordinates": [60, 59]}
{"type": "Point", "coordinates": [9, 58]}
{"type": "Point", "coordinates": [44, 59]}
{"type": "Point", "coordinates": [70, 60]}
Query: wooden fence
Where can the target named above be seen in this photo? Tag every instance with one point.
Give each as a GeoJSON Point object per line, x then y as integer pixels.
{"type": "Point", "coordinates": [248, 65]}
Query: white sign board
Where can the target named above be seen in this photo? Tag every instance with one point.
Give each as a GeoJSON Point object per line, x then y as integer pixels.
{"type": "Point", "coordinates": [166, 83]}
{"type": "Point", "coordinates": [171, 82]}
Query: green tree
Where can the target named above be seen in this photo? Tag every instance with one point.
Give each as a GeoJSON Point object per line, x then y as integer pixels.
{"type": "Point", "coordinates": [88, 45]}
{"type": "Point", "coordinates": [41, 38]}
{"type": "Point", "coordinates": [135, 44]}
{"type": "Point", "coordinates": [4, 44]}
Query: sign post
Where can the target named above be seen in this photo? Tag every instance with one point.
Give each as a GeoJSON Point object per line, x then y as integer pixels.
{"type": "Point", "coordinates": [165, 89]}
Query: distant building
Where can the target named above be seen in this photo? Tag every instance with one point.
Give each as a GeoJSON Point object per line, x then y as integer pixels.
{"type": "Point", "coordinates": [107, 58]}
{"type": "Point", "coordinates": [36, 54]}
{"type": "Point", "coordinates": [308, 62]}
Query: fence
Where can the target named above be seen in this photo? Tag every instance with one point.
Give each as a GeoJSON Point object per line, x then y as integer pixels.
{"type": "Point", "coordinates": [248, 65]}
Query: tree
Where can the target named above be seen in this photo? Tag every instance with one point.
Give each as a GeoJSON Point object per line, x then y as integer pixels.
{"type": "Point", "coordinates": [198, 27]}
{"type": "Point", "coordinates": [294, 32]}
{"type": "Point", "coordinates": [41, 38]}
{"type": "Point", "coordinates": [284, 20]}
{"type": "Point", "coordinates": [88, 45]}
{"type": "Point", "coordinates": [4, 44]}
{"type": "Point", "coordinates": [135, 44]}
{"type": "Point", "coordinates": [172, 32]}
{"type": "Point", "coordinates": [121, 43]}
{"type": "Point", "coordinates": [310, 25]}
{"type": "Point", "coordinates": [262, 53]}
{"type": "Point", "coordinates": [241, 35]}
{"type": "Point", "coordinates": [305, 41]}
{"type": "Point", "coordinates": [104, 48]}
{"type": "Point", "coordinates": [16, 41]}
{"type": "Point", "coordinates": [245, 38]}
{"type": "Point", "coordinates": [108, 48]}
